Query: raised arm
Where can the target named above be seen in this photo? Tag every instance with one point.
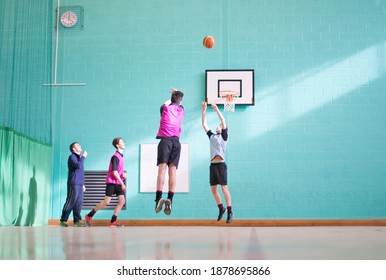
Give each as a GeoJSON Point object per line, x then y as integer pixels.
{"type": "Point", "coordinates": [222, 119]}
{"type": "Point", "coordinates": [169, 101]}
{"type": "Point", "coordinates": [203, 117]}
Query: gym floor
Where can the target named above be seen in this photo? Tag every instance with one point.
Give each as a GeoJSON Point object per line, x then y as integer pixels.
{"type": "Point", "coordinates": [193, 243]}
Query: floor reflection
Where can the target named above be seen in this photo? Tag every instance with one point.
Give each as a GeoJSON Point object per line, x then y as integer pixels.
{"type": "Point", "coordinates": [192, 243]}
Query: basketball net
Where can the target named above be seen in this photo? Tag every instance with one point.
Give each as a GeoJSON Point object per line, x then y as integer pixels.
{"type": "Point", "coordinates": [229, 104]}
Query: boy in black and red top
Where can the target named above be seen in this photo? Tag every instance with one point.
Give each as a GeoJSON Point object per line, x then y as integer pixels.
{"type": "Point", "coordinates": [115, 184]}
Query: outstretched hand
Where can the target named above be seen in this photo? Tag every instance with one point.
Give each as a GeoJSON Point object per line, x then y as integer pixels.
{"type": "Point", "coordinates": [203, 106]}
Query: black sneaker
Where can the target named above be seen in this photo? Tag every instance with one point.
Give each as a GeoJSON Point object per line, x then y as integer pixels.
{"type": "Point", "coordinates": [168, 206]}
{"type": "Point", "coordinates": [220, 214]}
{"type": "Point", "coordinates": [229, 218]}
{"type": "Point", "coordinates": [158, 204]}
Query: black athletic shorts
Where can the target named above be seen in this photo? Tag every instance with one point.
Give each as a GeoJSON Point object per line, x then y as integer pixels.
{"type": "Point", "coordinates": [114, 189]}
{"type": "Point", "coordinates": [218, 174]}
{"type": "Point", "coordinates": [169, 150]}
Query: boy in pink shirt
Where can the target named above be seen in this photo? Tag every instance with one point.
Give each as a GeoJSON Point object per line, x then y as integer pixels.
{"type": "Point", "coordinates": [115, 184]}
{"type": "Point", "coordinates": [169, 148]}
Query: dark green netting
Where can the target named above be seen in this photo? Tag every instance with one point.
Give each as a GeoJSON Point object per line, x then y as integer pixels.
{"type": "Point", "coordinates": [26, 48]}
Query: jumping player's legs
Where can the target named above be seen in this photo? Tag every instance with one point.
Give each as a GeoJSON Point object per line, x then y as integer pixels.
{"type": "Point", "coordinates": [168, 156]}
{"type": "Point", "coordinates": [216, 194]}
{"type": "Point", "coordinates": [228, 200]}
{"type": "Point", "coordinates": [159, 201]}
{"type": "Point", "coordinates": [217, 198]}
{"type": "Point", "coordinates": [173, 161]}
{"type": "Point", "coordinates": [161, 176]}
{"type": "Point", "coordinates": [227, 195]}
{"type": "Point", "coordinates": [218, 176]}
{"type": "Point", "coordinates": [172, 171]}
{"type": "Point", "coordinates": [163, 154]}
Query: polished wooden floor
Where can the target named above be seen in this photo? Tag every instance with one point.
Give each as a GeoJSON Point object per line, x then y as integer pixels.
{"type": "Point", "coordinates": [193, 243]}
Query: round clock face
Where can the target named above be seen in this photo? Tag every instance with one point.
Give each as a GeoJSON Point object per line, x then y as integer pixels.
{"type": "Point", "coordinates": [68, 19]}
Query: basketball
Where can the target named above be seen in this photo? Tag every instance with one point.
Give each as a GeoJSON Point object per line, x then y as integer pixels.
{"type": "Point", "coordinates": [208, 42]}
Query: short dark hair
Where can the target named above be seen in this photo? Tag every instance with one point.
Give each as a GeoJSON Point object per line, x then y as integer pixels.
{"type": "Point", "coordinates": [72, 146]}
{"type": "Point", "coordinates": [116, 141]}
{"type": "Point", "coordinates": [176, 96]}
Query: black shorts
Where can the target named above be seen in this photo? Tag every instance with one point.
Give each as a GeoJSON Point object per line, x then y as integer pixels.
{"type": "Point", "coordinates": [218, 174]}
{"type": "Point", "coordinates": [112, 189]}
{"type": "Point", "coordinates": [169, 150]}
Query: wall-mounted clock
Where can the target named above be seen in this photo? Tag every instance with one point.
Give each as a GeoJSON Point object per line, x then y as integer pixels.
{"type": "Point", "coordinates": [68, 19]}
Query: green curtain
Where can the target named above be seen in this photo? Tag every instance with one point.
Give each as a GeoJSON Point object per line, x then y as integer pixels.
{"type": "Point", "coordinates": [26, 55]}
{"type": "Point", "coordinates": [25, 179]}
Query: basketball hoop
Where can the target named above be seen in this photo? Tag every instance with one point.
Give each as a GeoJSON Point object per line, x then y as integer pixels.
{"type": "Point", "coordinates": [229, 95]}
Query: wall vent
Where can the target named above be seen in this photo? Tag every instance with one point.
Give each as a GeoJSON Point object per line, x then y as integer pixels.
{"type": "Point", "coordinates": [95, 183]}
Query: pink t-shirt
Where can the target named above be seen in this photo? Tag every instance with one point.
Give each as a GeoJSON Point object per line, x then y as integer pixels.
{"type": "Point", "coordinates": [110, 179]}
{"type": "Point", "coordinates": [171, 121]}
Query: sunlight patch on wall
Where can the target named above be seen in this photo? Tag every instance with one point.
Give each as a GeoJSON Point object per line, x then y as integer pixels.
{"type": "Point", "coordinates": [314, 88]}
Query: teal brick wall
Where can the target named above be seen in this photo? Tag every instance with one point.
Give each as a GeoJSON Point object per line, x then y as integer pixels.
{"type": "Point", "coordinates": [312, 147]}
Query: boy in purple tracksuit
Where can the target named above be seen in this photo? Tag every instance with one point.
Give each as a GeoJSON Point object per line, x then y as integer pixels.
{"type": "Point", "coordinates": [75, 186]}
{"type": "Point", "coordinates": [115, 184]}
{"type": "Point", "coordinates": [169, 148]}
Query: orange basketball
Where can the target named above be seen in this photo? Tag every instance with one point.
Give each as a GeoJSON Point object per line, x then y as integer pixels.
{"type": "Point", "coordinates": [208, 42]}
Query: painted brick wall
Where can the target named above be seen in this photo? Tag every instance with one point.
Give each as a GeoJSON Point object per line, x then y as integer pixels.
{"type": "Point", "coordinates": [312, 147]}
